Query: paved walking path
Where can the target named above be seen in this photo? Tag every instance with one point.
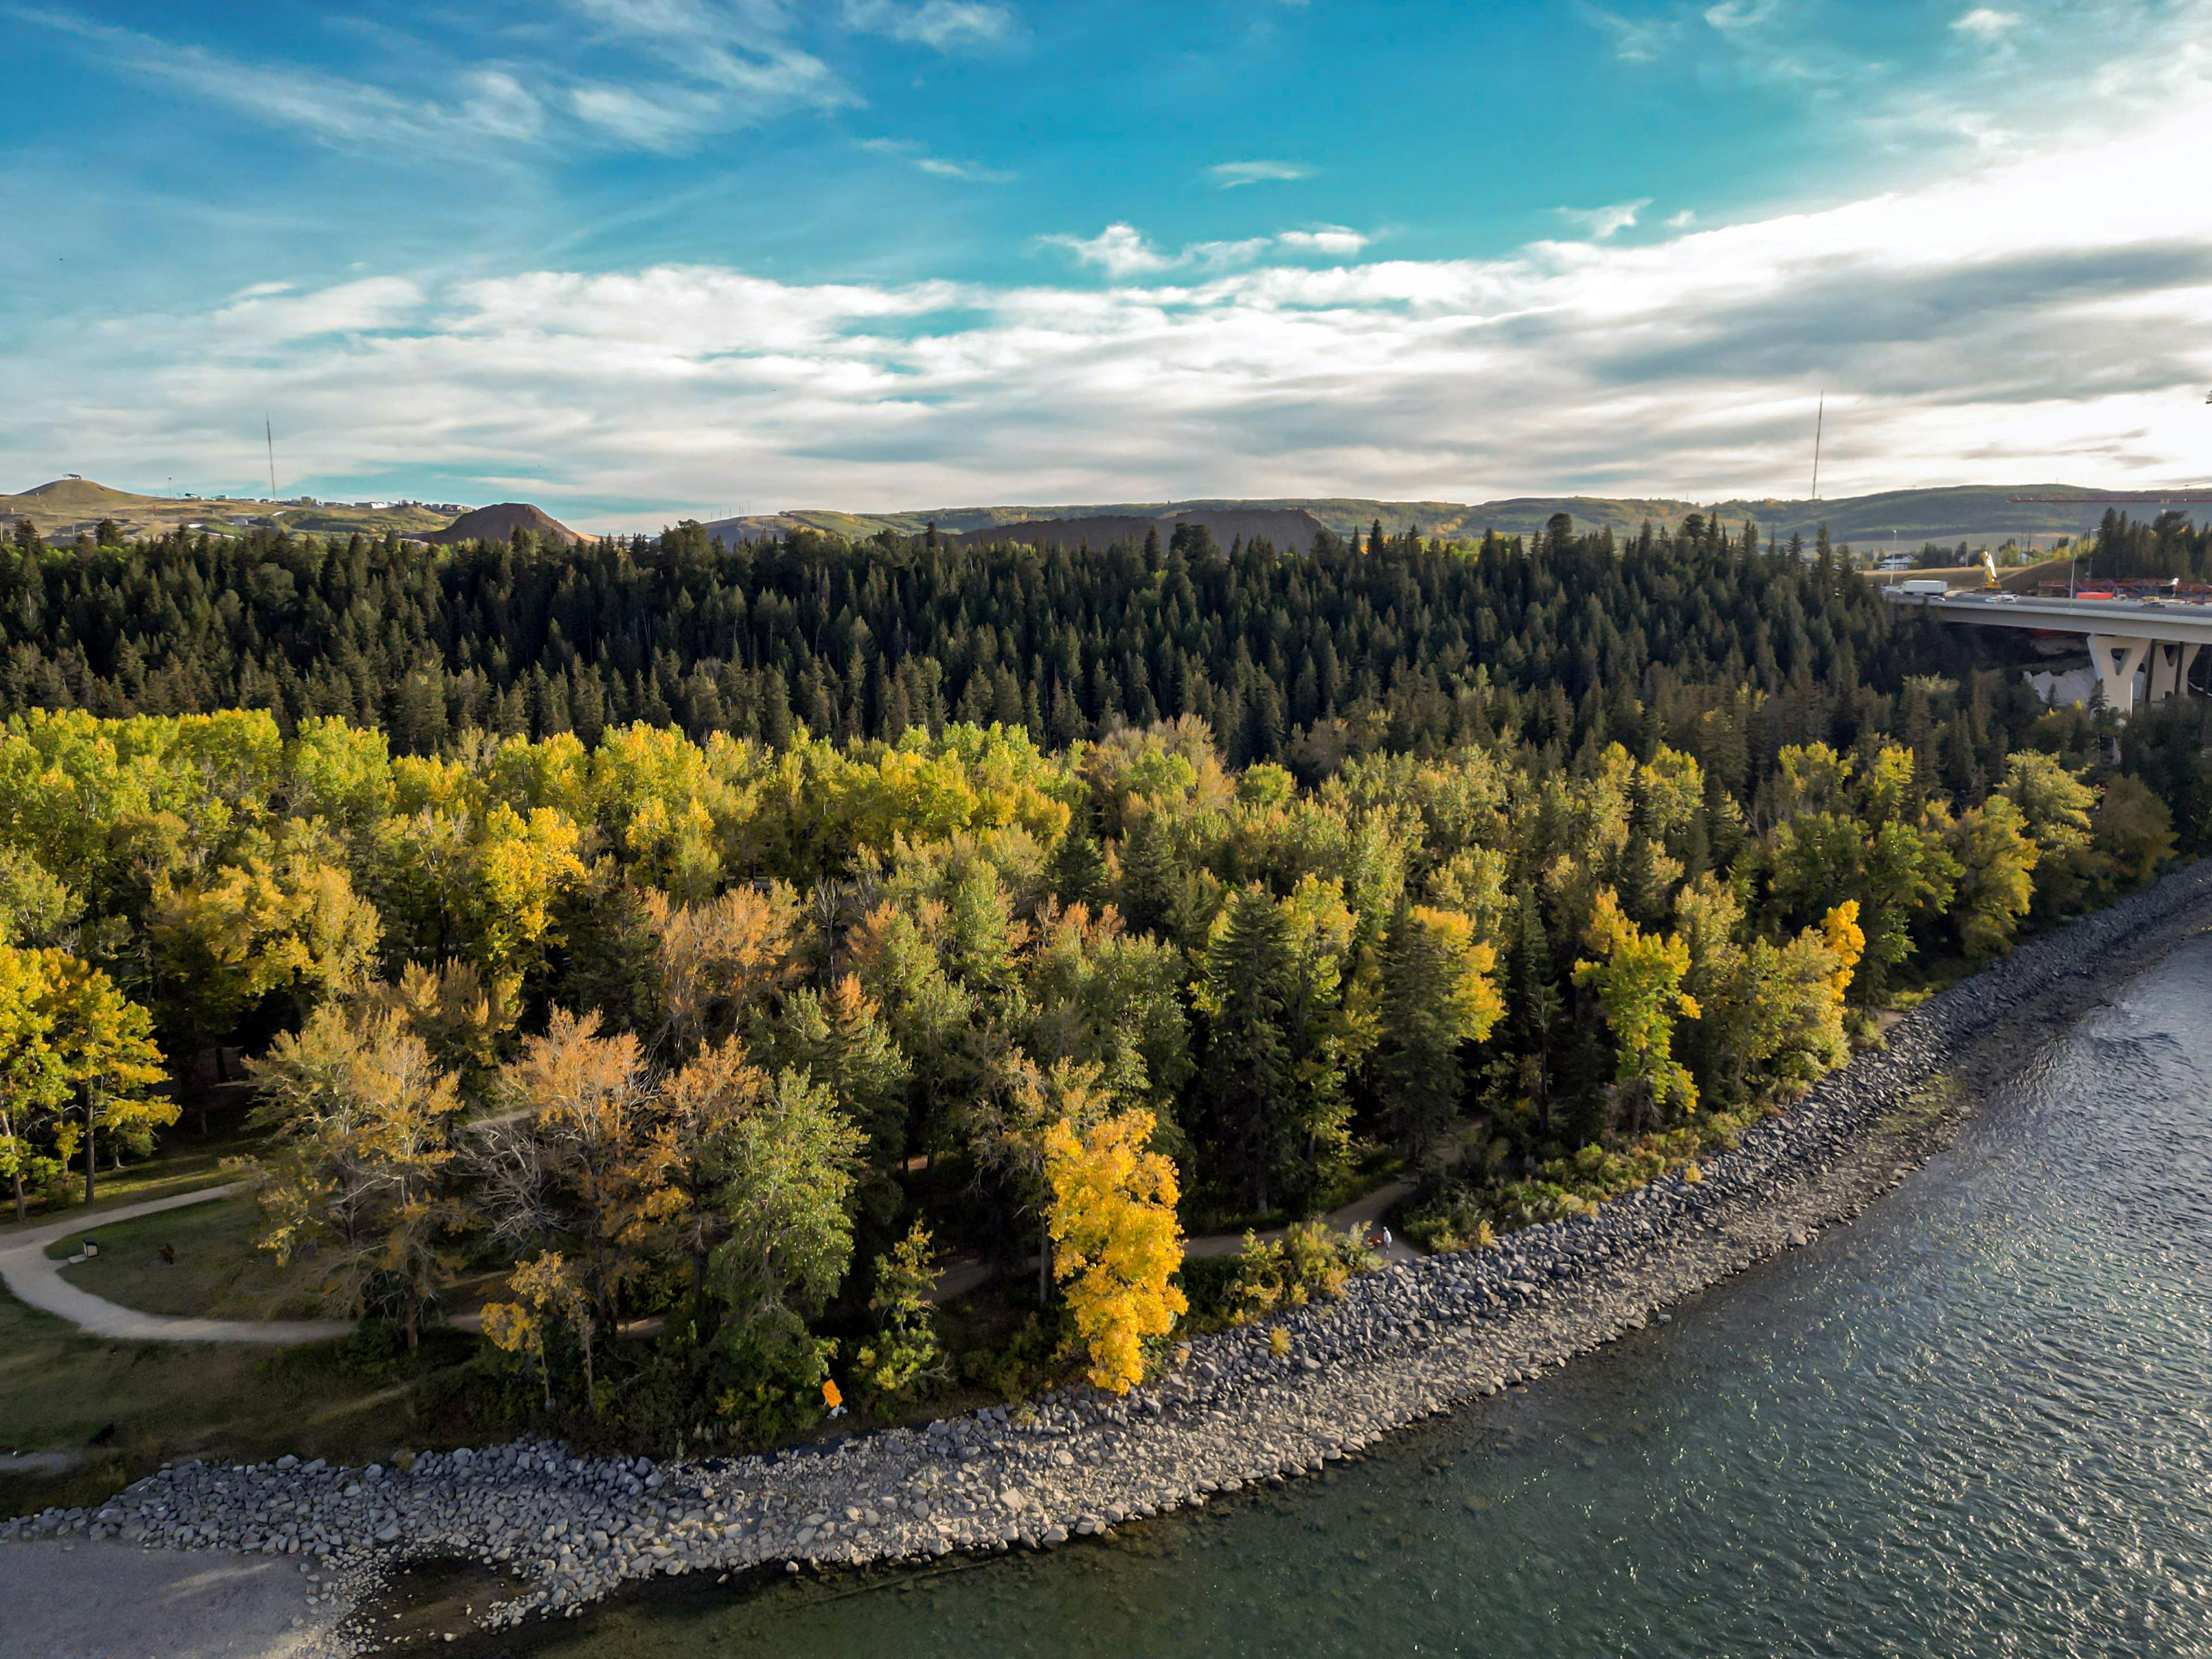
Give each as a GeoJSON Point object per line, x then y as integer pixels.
{"type": "Point", "coordinates": [33, 1277]}
{"type": "Point", "coordinates": [1361, 1212]}
{"type": "Point", "coordinates": [964, 1273]}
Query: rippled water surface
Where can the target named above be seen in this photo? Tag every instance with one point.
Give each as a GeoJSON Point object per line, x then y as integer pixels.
{"type": "Point", "coordinates": [1977, 1421]}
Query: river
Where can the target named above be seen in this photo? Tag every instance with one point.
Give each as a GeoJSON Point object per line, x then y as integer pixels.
{"type": "Point", "coordinates": [1977, 1421]}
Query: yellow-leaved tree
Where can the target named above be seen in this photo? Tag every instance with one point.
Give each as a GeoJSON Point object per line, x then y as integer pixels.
{"type": "Point", "coordinates": [362, 1119]}
{"type": "Point", "coordinates": [548, 1294]}
{"type": "Point", "coordinates": [105, 1044]}
{"type": "Point", "coordinates": [1119, 1245]}
{"type": "Point", "coordinates": [223, 942]}
{"type": "Point", "coordinates": [75, 1054]}
{"type": "Point", "coordinates": [1639, 986]}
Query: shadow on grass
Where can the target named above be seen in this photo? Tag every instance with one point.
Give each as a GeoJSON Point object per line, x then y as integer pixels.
{"type": "Point", "coordinates": [131, 1406]}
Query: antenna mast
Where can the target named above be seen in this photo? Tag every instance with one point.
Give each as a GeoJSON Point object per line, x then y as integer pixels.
{"type": "Point", "coordinates": [1820, 421]}
{"type": "Point", "coordinates": [269, 433]}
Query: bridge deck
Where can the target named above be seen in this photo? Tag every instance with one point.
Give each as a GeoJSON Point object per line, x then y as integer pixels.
{"type": "Point", "coordinates": [2176, 622]}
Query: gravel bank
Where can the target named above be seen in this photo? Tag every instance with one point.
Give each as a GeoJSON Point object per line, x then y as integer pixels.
{"type": "Point", "coordinates": [93, 1601]}
{"type": "Point", "coordinates": [1403, 1343]}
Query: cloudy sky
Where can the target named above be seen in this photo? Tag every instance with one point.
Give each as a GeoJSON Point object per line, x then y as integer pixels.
{"type": "Point", "coordinates": [635, 259]}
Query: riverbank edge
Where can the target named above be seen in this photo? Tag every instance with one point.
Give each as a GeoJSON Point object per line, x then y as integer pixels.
{"type": "Point", "coordinates": [1403, 1344]}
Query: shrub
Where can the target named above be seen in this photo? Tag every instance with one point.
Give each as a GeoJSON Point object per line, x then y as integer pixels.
{"type": "Point", "coordinates": [1309, 1264]}
{"type": "Point", "coordinates": [904, 1355]}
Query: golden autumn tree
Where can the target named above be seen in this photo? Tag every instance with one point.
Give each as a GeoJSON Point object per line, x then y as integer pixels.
{"type": "Point", "coordinates": [1119, 1245]}
{"type": "Point", "coordinates": [104, 1042]}
{"type": "Point", "coordinates": [76, 1055]}
{"type": "Point", "coordinates": [571, 1155]}
{"type": "Point", "coordinates": [290, 922]}
{"type": "Point", "coordinates": [1638, 984]}
{"type": "Point", "coordinates": [362, 1120]}
{"type": "Point", "coordinates": [719, 959]}
{"type": "Point", "coordinates": [548, 1297]}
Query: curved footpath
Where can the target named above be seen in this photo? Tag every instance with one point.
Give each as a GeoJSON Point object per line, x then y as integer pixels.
{"type": "Point", "coordinates": [34, 1277]}
{"type": "Point", "coordinates": [1403, 1343]}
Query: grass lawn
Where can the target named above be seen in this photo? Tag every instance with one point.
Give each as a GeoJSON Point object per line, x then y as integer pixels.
{"type": "Point", "coordinates": [131, 1406]}
{"type": "Point", "coordinates": [218, 1273]}
{"type": "Point", "coordinates": [185, 1161]}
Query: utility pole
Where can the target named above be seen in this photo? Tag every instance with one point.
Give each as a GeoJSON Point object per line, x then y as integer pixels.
{"type": "Point", "coordinates": [1820, 421]}
{"type": "Point", "coordinates": [269, 432]}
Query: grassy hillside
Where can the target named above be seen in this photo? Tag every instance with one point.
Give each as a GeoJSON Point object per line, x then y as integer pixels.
{"type": "Point", "coordinates": [1974, 512]}
{"type": "Point", "coordinates": [1971, 513]}
{"type": "Point", "coordinates": [67, 506]}
{"type": "Point", "coordinates": [1905, 518]}
{"type": "Point", "coordinates": [1343, 515]}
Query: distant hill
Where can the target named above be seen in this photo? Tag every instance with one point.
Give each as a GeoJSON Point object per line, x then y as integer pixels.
{"type": "Point", "coordinates": [67, 507]}
{"type": "Point", "coordinates": [1290, 531]}
{"type": "Point", "coordinates": [1974, 512]}
{"type": "Point", "coordinates": [497, 523]}
{"type": "Point", "coordinates": [1342, 515]}
{"type": "Point", "coordinates": [1962, 513]}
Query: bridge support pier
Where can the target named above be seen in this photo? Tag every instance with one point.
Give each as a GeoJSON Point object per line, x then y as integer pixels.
{"type": "Point", "coordinates": [2169, 669]}
{"type": "Point", "coordinates": [2115, 662]}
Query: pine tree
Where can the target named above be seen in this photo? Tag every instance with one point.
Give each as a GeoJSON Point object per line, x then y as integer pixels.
{"type": "Point", "coordinates": [1246, 983]}
{"type": "Point", "coordinates": [1436, 998]}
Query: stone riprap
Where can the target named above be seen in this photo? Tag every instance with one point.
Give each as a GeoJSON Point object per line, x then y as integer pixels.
{"type": "Point", "coordinates": [1403, 1343]}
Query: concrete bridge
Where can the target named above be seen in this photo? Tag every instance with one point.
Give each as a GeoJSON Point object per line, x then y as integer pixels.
{"type": "Point", "coordinates": [2158, 637]}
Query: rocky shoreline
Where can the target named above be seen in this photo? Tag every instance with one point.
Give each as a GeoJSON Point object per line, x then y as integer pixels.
{"type": "Point", "coordinates": [1404, 1343]}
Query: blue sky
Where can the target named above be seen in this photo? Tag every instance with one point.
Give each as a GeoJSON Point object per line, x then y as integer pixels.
{"type": "Point", "coordinates": [635, 258]}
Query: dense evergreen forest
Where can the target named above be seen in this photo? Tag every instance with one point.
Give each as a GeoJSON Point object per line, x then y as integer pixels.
{"type": "Point", "coordinates": [863, 640]}
{"type": "Point", "coordinates": [857, 642]}
{"type": "Point", "coordinates": [724, 933]}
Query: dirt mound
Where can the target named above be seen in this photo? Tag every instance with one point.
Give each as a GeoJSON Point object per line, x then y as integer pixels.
{"type": "Point", "coordinates": [81, 496]}
{"type": "Point", "coordinates": [498, 523]}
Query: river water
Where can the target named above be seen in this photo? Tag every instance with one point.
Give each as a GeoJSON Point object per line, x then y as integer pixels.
{"type": "Point", "coordinates": [1976, 1421]}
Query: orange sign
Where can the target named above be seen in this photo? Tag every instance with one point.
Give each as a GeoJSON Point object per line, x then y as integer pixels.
{"type": "Point", "coordinates": [830, 1397]}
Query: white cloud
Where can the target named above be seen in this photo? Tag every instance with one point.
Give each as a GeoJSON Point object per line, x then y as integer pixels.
{"type": "Point", "coordinates": [1636, 39]}
{"type": "Point", "coordinates": [938, 167]}
{"type": "Point", "coordinates": [664, 120]}
{"type": "Point", "coordinates": [2042, 317]}
{"type": "Point", "coordinates": [1231, 175]}
{"type": "Point", "coordinates": [940, 24]}
{"type": "Point", "coordinates": [700, 66]}
{"type": "Point", "coordinates": [1119, 250]}
{"type": "Point", "coordinates": [484, 104]}
{"type": "Point", "coordinates": [1601, 222]}
{"type": "Point", "coordinates": [1683, 220]}
{"type": "Point", "coordinates": [499, 105]}
{"type": "Point", "coordinates": [271, 315]}
{"type": "Point", "coordinates": [742, 50]}
{"type": "Point", "coordinates": [1987, 25]}
{"type": "Point", "coordinates": [1740, 14]}
{"type": "Point", "coordinates": [1333, 239]}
